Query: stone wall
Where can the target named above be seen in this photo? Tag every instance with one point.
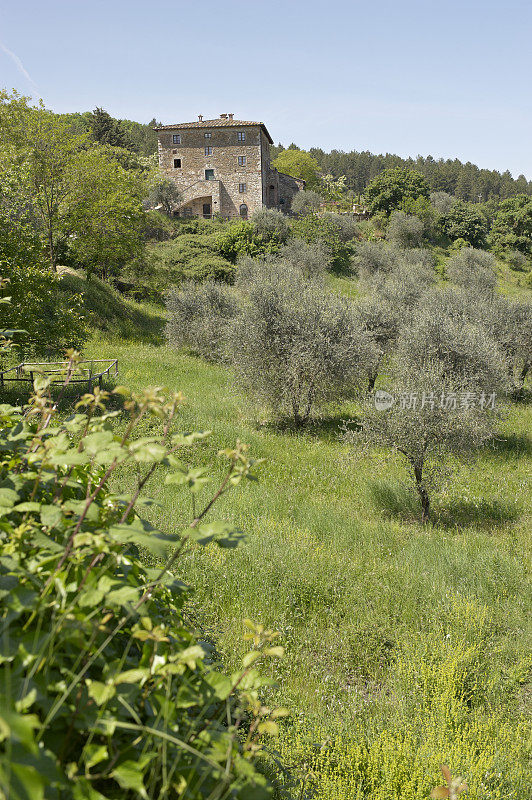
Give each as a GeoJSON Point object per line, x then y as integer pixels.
{"type": "Point", "coordinates": [288, 187]}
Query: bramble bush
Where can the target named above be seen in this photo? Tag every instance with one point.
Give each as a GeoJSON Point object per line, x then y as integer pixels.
{"type": "Point", "coordinates": [105, 692]}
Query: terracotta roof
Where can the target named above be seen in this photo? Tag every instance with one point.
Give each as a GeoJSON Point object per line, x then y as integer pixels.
{"type": "Point", "coordinates": [215, 123]}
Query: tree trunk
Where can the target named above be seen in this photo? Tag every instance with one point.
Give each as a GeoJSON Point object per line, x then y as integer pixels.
{"type": "Point", "coordinates": [423, 494]}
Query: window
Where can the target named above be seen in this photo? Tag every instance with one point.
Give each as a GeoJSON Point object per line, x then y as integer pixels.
{"type": "Point", "coordinates": [242, 187]}
{"type": "Point", "coordinates": [241, 136]}
{"type": "Point", "coordinates": [241, 161]}
{"type": "Point", "coordinates": [207, 135]}
{"type": "Point", "coordinates": [177, 163]}
{"type": "Point", "coordinates": [244, 211]}
{"type": "Point", "coordinates": [208, 151]}
{"type": "Point", "coordinates": [209, 174]}
{"type": "Point", "coordinates": [176, 138]}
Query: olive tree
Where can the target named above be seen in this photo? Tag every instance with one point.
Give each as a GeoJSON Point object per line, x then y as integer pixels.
{"type": "Point", "coordinates": [459, 348]}
{"type": "Point", "coordinates": [472, 269]}
{"type": "Point", "coordinates": [270, 224]}
{"type": "Point", "coordinates": [509, 323]}
{"type": "Point", "coordinates": [430, 417]}
{"type": "Point", "coordinates": [306, 202]}
{"type": "Point", "coordinates": [382, 321]}
{"type": "Point", "coordinates": [198, 315]}
{"type": "Point", "coordinates": [374, 258]}
{"type": "Point", "coordinates": [405, 230]}
{"type": "Point", "coordinates": [312, 258]}
{"type": "Point", "coordinates": [295, 346]}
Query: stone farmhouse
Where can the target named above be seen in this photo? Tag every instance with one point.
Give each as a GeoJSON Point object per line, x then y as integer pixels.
{"type": "Point", "coordinates": [222, 167]}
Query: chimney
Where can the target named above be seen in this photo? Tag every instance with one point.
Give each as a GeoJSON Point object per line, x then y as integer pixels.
{"type": "Point", "coordinates": [200, 117]}
{"type": "Point", "coordinates": [223, 116]}
{"type": "Point", "coordinates": [231, 116]}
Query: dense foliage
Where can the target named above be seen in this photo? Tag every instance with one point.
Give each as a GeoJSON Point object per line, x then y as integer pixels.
{"type": "Point", "coordinates": [105, 691]}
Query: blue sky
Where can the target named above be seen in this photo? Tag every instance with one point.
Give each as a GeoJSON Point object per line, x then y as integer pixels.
{"type": "Point", "coordinates": [448, 79]}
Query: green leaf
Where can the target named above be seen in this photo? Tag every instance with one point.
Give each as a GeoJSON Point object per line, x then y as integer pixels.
{"type": "Point", "coordinates": [18, 726]}
{"type": "Point", "coordinates": [8, 497]}
{"type": "Point", "coordinates": [25, 782]}
{"type": "Point", "coordinates": [143, 534]}
{"type": "Point", "coordinates": [51, 516]}
{"type": "Point", "coordinates": [250, 658]}
{"type": "Point", "coordinates": [130, 775]}
{"type": "Point", "coordinates": [93, 754]}
{"type": "Point", "coordinates": [221, 684]}
{"type": "Point", "coordinates": [28, 506]}
{"type": "Point", "coordinates": [26, 702]}
{"type": "Point", "coordinates": [132, 676]}
{"type": "Point", "coordinates": [100, 692]}
{"type": "Point", "coordinates": [147, 450]}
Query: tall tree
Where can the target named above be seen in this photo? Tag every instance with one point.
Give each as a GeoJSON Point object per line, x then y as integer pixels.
{"type": "Point", "coordinates": [107, 130]}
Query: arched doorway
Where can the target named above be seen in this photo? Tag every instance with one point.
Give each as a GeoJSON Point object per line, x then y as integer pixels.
{"type": "Point", "coordinates": [244, 211]}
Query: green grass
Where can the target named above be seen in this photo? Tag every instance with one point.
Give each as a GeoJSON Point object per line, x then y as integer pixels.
{"type": "Point", "coordinates": [406, 645]}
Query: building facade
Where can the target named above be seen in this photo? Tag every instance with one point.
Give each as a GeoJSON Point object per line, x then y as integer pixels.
{"type": "Point", "coordinates": [222, 167]}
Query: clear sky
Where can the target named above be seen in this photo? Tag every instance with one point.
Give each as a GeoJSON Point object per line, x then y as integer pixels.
{"type": "Point", "coordinates": [450, 79]}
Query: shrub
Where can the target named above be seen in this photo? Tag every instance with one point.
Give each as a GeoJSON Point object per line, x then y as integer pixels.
{"type": "Point", "coordinates": [306, 202]}
{"type": "Point", "coordinates": [271, 225]}
{"type": "Point", "coordinates": [296, 347]}
{"type": "Point", "coordinates": [472, 269]}
{"type": "Point", "coordinates": [393, 186]}
{"type": "Point", "coordinates": [516, 260]}
{"type": "Point", "coordinates": [327, 230]}
{"type": "Point", "coordinates": [51, 322]}
{"type": "Point", "coordinates": [405, 230]}
{"type": "Point", "coordinates": [105, 692]}
{"type": "Point", "coordinates": [242, 239]}
{"type": "Point", "coordinates": [158, 226]}
{"type": "Point", "coordinates": [187, 257]}
{"type": "Point", "coordinates": [198, 315]}
{"type": "Point", "coordinates": [345, 223]}
{"type": "Point", "coordinates": [374, 258]}
{"type": "Point", "coordinates": [312, 259]}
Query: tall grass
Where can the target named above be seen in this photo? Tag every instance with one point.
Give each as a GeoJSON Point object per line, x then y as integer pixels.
{"type": "Point", "coordinates": [378, 614]}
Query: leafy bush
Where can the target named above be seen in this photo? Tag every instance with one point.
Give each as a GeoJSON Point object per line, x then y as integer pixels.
{"type": "Point", "coordinates": [295, 346]}
{"type": "Point", "coordinates": [405, 230]}
{"type": "Point", "coordinates": [187, 257]}
{"type": "Point", "coordinates": [512, 225]}
{"type": "Point", "coordinates": [51, 321]}
{"type": "Point", "coordinates": [461, 349]}
{"type": "Point", "coordinates": [465, 222]}
{"type": "Point", "coordinates": [393, 186]}
{"type": "Point", "coordinates": [198, 317]}
{"type": "Point", "coordinates": [105, 692]}
{"type": "Point", "coordinates": [442, 201]}
{"type": "Point", "coordinates": [329, 231]}
{"type": "Point", "coordinates": [242, 239]}
{"type": "Point", "coordinates": [272, 226]}
{"type": "Point", "coordinates": [516, 260]}
{"type": "Point", "coordinates": [472, 269]}
{"type": "Point", "coordinates": [306, 202]}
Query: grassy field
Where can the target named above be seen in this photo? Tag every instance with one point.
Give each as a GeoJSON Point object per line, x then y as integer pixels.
{"type": "Point", "coordinates": [406, 645]}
